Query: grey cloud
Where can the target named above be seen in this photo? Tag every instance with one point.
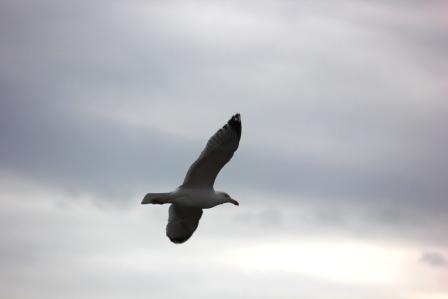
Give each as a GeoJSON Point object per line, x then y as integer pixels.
{"type": "Point", "coordinates": [344, 127]}
{"type": "Point", "coordinates": [82, 250]}
{"type": "Point", "coordinates": [269, 219]}
{"type": "Point", "coordinates": [352, 75]}
{"type": "Point", "coordinates": [434, 259]}
{"type": "Point", "coordinates": [114, 161]}
{"type": "Point", "coordinates": [85, 154]}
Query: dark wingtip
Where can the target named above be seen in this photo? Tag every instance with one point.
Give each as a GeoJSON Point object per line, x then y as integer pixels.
{"type": "Point", "coordinates": [235, 123]}
{"type": "Point", "coordinates": [179, 240]}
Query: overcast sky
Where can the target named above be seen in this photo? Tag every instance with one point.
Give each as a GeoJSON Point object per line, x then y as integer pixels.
{"type": "Point", "coordinates": [341, 173]}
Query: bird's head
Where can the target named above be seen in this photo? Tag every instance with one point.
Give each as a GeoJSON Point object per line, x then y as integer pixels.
{"type": "Point", "coordinates": [224, 197]}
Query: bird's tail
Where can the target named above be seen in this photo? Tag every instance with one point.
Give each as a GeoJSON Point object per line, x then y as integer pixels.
{"type": "Point", "coordinates": [157, 198]}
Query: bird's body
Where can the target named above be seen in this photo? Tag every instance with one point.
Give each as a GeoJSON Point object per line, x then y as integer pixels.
{"type": "Point", "coordinates": [190, 197]}
{"type": "Point", "coordinates": [196, 192]}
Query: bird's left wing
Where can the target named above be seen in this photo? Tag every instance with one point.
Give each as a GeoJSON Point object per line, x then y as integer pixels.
{"type": "Point", "coordinates": [182, 222]}
{"type": "Point", "coordinates": [218, 151]}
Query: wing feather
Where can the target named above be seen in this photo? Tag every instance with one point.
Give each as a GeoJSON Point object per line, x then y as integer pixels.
{"type": "Point", "coordinates": [218, 151]}
{"type": "Point", "coordinates": [182, 222]}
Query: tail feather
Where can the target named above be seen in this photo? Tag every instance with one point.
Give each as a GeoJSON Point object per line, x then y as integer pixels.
{"type": "Point", "coordinates": [157, 198]}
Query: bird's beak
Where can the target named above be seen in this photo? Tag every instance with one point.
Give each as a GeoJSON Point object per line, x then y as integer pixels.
{"type": "Point", "coordinates": [235, 202]}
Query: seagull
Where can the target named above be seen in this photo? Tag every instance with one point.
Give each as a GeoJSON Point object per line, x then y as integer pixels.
{"type": "Point", "coordinates": [196, 192]}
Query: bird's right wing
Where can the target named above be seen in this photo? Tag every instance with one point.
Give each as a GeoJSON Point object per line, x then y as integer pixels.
{"type": "Point", "coordinates": [182, 222]}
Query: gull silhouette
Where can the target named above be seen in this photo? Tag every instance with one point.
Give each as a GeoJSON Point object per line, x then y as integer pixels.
{"type": "Point", "coordinates": [196, 192]}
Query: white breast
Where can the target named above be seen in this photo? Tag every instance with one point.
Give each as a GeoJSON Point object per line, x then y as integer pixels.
{"type": "Point", "coordinates": [197, 198]}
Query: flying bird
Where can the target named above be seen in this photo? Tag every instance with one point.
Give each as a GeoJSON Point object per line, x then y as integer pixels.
{"type": "Point", "coordinates": [197, 192]}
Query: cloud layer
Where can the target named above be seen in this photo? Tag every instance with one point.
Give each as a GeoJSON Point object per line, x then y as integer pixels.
{"type": "Point", "coordinates": [344, 124]}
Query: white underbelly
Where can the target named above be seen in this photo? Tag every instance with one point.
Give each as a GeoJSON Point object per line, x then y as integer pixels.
{"type": "Point", "coordinates": [197, 198]}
